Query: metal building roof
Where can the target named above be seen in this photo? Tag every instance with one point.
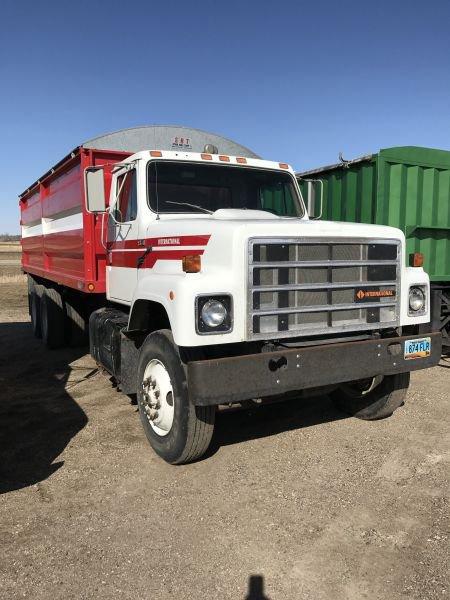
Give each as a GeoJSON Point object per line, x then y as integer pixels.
{"type": "Point", "coordinates": [166, 137]}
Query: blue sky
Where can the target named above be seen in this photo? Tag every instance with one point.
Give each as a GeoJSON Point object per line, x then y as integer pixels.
{"type": "Point", "coordinates": [295, 81]}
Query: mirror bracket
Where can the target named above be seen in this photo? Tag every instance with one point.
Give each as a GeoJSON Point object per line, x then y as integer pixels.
{"type": "Point", "coordinates": [311, 200]}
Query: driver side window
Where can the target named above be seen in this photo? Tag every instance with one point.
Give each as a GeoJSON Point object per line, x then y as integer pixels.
{"type": "Point", "coordinates": [126, 205]}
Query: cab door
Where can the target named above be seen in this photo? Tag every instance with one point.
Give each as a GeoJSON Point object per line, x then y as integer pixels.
{"type": "Point", "coordinates": [123, 228]}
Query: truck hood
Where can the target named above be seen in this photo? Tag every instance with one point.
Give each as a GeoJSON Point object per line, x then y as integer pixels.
{"type": "Point", "coordinates": [240, 214]}
{"type": "Point", "coordinates": [232, 224]}
{"type": "Point", "coordinates": [222, 238]}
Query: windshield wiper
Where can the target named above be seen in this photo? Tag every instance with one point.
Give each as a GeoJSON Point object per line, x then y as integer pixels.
{"type": "Point", "coordinates": [210, 212]}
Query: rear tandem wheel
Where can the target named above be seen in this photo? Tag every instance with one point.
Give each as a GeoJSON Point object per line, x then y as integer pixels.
{"type": "Point", "coordinates": [53, 318]}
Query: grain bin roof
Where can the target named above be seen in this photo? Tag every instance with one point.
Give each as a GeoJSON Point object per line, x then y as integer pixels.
{"type": "Point", "coordinates": [166, 137]}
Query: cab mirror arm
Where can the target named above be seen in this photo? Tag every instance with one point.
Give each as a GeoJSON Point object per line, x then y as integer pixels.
{"type": "Point", "coordinates": [312, 201]}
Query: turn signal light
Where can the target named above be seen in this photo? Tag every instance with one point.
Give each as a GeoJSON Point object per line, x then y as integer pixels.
{"type": "Point", "coordinates": [156, 153]}
{"type": "Point", "coordinates": [206, 156]}
{"type": "Point", "coordinates": [192, 264]}
{"type": "Point", "coordinates": [283, 165]}
{"type": "Point", "coordinates": [416, 259]}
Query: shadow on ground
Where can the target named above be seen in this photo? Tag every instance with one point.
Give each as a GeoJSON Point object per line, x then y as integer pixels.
{"type": "Point", "coordinates": [256, 588]}
{"type": "Point", "coordinates": [236, 426]}
{"type": "Point", "coordinates": [445, 361]}
{"type": "Point", "coordinates": [38, 417]}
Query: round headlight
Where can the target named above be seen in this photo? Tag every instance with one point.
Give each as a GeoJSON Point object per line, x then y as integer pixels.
{"type": "Point", "coordinates": [213, 313]}
{"type": "Point", "coordinates": [416, 299]}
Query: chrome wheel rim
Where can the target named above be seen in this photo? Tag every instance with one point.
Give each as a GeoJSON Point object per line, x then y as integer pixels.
{"type": "Point", "coordinates": [157, 397]}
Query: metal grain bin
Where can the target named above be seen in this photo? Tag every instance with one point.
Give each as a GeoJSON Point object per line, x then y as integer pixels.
{"type": "Point", "coordinates": [406, 187]}
{"type": "Point", "coordinates": [167, 137]}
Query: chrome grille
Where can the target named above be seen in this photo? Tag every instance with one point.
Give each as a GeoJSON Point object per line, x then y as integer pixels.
{"type": "Point", "coordinates": [311, 287]}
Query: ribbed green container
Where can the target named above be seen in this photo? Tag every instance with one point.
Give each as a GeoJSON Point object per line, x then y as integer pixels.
{"type": "Point", "coordinates": [406, 187]}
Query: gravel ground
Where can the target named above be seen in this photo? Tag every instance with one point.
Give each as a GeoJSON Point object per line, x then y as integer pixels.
{"type": "Point", "coordinates": [295, 501]}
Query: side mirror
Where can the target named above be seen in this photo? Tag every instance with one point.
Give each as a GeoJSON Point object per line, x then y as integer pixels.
{"type": "Point", "coordinates": [314, 201]}
{"type": "Point", "coordinates": [94, 183]}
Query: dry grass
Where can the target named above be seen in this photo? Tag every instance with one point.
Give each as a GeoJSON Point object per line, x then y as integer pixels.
{"type": "Point", "coordinates": [18, 278]}
{"type": "Point", "coordinates": [10, 247]}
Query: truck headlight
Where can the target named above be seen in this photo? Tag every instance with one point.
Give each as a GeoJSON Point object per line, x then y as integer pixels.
{"type": "Point", "coordinates": [214, 314]}
{"type": "Point", "coordinates": [416, 300]}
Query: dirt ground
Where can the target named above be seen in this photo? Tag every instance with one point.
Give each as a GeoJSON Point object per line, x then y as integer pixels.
{"type": "Point", "coordinates": [295, 501]}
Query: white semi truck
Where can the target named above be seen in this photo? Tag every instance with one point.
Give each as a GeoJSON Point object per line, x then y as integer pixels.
{"type": "Point", "coordinates": [201, 280]}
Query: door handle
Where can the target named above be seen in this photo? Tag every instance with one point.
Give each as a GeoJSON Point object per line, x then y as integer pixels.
{"type": "Point", "coordinates": [141, 259]}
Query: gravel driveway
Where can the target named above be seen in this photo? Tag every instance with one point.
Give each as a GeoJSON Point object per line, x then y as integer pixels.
{"type": "Point", "coordinates": [295, 501]}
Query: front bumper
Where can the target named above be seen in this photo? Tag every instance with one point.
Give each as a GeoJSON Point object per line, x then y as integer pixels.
{"type": "Point", "coordinates": [220, 381]}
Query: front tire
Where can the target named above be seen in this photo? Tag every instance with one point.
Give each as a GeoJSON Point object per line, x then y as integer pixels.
{"type": "Point", "coordinates": [371, 399]}
{"type": "Point", "coordinates": [177, 430]}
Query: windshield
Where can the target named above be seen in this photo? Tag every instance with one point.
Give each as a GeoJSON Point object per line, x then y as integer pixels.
{"type": "Point", "coordinates": [177, 187]}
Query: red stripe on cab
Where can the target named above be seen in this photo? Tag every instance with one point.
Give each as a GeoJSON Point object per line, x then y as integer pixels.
{"type": "Point", "coordinates": [130, 259]}
{"type": "Point", "coordinates": [161, 242]}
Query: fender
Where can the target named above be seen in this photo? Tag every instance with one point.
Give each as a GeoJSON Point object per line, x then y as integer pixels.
{"type": "Point", "coordinates": [151, 306]}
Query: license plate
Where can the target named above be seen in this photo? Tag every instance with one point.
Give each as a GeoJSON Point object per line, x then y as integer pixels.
{"type": "Point", "coordinates": [420, 348]}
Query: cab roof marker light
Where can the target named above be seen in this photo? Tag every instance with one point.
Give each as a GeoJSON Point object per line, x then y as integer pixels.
{"type": "Point", "coordinates": [283, 165]}
{"type": "Point", "coordinates": [241, 160]}
{"type": "Point", "coordinates": [206, 156]}
{"type": "Point", "coordinates": [156, 153]}
{"type": "Point", "coordinates": [224, 158]}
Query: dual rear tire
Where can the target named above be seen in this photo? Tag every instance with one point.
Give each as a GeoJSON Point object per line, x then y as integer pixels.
{"type": "Point", "coordinates": [35, 292]}
{"type": "Point", "coordinates": [57, 319]}
{"type": "Point", "coordinates": [52, 319]}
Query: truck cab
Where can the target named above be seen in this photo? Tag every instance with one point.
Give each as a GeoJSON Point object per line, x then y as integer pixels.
{"type": "Point", "coordinates": [178, 222]}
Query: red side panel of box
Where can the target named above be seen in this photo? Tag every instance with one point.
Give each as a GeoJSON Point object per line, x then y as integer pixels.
{"type": "Point", "coordinates": [61, 241]}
